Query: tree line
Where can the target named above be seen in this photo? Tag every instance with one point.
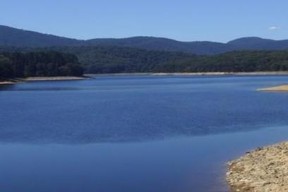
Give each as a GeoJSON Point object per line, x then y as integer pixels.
{"type": "Point", "coordinates": [63, 61]}
{"type": "Point", "coordinates": [127, 60]}
{"type": "Point", "coordinates": [237, 61]}
{"type": "Point", "coordinates": [31, 64]}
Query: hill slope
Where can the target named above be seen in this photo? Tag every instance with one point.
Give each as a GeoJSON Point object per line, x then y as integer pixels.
{"type": "Point", "coordinates": [21, 38]}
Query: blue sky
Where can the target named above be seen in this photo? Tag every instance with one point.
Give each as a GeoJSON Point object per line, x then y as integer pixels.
{"type": "Point", "coordinates": [185, 20]}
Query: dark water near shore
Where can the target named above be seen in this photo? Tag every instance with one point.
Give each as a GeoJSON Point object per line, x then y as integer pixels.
{"type": "Point", "coordinates": [134, 133]}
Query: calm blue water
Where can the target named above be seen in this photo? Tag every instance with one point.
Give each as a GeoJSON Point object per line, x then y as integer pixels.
{"type": "Point", "coordinates": [134, 133]}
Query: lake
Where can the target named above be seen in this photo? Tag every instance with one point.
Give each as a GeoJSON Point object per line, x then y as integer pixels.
{"type": "Point", "coordinates": [134, 133]}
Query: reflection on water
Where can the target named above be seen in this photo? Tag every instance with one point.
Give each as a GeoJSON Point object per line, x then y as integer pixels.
{"type": "Point", "coordinates": [144, 134]}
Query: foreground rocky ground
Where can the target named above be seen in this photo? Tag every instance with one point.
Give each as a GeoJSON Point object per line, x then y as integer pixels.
{"type": "Point", "coordinates": [262, 170]}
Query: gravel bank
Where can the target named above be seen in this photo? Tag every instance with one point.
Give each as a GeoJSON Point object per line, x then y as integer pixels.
{"type": "Point", "coordinates": [262, 170]}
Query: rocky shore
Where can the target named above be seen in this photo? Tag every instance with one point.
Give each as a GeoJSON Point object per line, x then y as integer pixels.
{"type": "Point", "coordinates": [262, 170]}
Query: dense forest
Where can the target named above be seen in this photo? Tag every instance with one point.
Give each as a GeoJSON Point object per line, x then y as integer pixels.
{"type": "Point", "coordinates": [238, 61]}
{"type": "Point", "coordinates": [123, 60]}
{"type": "Point", "coordinates": [127, 60]}
{"type": "Point", "coordinates": [30, 64]}
{"type": "Point", "coordinates": [55, 61]}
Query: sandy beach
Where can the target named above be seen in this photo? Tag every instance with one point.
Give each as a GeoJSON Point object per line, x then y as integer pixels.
{"type": "Point", "coordinates": [279, 88]}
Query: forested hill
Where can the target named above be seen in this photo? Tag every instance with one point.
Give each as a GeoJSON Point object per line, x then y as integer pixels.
{"type": "Point", "coordinates": [22, 38]}
{"type": "Point", "coordinates": [122, 60]}
{"type": "Point", "coordinates": [164, 44]}
{"type": "Point", "coordinates": [36, 54]}
{"type": "Point", "coordinates": [30, 64]}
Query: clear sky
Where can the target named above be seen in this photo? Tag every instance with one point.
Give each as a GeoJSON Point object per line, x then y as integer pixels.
{"type": "Point", "coordinates": [185, 20]}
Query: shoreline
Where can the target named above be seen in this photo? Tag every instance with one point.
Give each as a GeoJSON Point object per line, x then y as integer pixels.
{"type": "Point", "coordinates": [7, 83]}
{"type": "Point", "coordinates": [32, 79]}
{"type": "Point", "coordinates": [56, 78]}
{"type": "Point", "coordinates": [279, 88]}
{"type": "Point", "coordinates": [87, 76]}
{"type": "Point", "coordinates": [264, 73]}
{"type": "Point", "coordinates": [263, 169]}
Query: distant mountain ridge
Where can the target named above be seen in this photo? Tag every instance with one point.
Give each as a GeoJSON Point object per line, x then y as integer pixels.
{"type": "Point", "coordinates": [22, 38]}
